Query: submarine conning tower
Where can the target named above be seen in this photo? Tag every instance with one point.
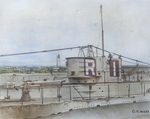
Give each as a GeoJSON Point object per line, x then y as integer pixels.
{"type": "Point", "coordinates": [93, 69]}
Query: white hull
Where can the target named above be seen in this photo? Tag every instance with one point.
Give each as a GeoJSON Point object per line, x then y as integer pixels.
{"type": "Point", "coordinates": [39, 110]}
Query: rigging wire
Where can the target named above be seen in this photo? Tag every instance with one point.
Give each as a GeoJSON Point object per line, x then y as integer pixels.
{"type": "Point", "coordinates": [74, 15]}
{"type": "Point", "coordinates": [117, 22]}
{"type": "Point", "coordinates": [123, 26]}
{"type": "Point", "coordinates": [46, 19]}
{"type": "Point", "coordinates": [122, 60]}
{"type": "Point", "coordinates": [25, 53]}
{"type": "Point", "coordinates": [34, 62]}
{"type": "Point", "coordinates": [124, 56]}
{"type": "Point", "coordinates": [138, 61]}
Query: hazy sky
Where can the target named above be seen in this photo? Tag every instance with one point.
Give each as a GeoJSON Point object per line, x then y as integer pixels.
{"type": "Point", "coordinates": [33, 25]}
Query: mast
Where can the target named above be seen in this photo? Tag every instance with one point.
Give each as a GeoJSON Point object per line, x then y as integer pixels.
{"type": "Point", "coordinates": [102, 31]}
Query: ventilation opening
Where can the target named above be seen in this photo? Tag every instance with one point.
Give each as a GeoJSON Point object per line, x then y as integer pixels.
{"type": "Point", "coordinates": [72, 72]}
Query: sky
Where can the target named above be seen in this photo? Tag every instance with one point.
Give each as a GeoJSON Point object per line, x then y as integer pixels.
{"type": "Point", "coordinates": [37, 25]}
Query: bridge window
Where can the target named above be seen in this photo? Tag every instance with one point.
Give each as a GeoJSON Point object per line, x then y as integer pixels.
{"type": "Point", "coordinates": [72, 72]}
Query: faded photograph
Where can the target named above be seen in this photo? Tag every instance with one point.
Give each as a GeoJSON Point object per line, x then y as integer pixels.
{"type": "Point", "coordinates": [74, 59]}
